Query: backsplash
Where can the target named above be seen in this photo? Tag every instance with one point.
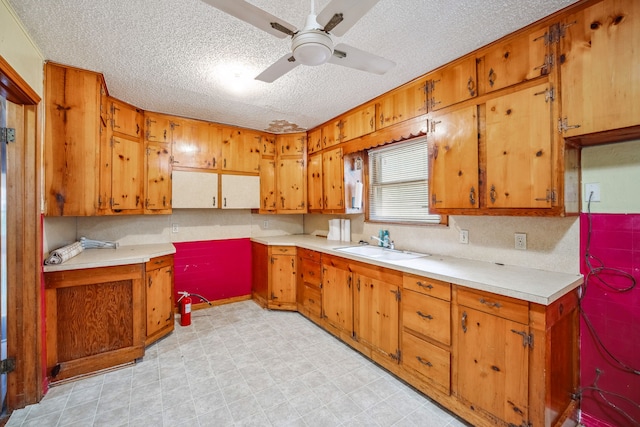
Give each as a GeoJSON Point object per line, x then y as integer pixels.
{"type": "Point", "coordinates": [615, 316]}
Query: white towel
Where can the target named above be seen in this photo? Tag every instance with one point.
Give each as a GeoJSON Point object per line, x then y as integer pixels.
{"type": "Point", "coordinates": [64, 253]}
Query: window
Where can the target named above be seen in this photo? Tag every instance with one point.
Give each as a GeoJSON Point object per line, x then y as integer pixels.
{"type": "Point", "coordinates": [398, 183]}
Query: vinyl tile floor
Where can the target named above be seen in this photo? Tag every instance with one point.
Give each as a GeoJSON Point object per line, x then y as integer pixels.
{"type": "Point", "coordinates": [240, 365]}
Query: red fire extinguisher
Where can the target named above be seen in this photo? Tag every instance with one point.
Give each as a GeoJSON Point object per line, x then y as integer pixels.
{"type": "Point", "coordinates": [185, 308]}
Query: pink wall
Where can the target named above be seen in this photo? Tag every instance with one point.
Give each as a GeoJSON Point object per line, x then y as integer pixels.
{"type": "Point", "coordinates": [615, 239]}
{"type": "Point", "coordinates": [215, 269]}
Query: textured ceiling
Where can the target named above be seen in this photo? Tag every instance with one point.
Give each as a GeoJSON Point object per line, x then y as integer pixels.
{"type": "Point", "coordinates": [172, 56]}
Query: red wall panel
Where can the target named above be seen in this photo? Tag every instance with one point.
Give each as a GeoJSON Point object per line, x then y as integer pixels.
{"type": "Point", "coordinates": [215, 269]}
{"type": "Point", "coordinates": [615, 315]}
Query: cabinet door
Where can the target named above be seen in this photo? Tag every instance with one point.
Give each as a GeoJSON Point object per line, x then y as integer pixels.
{"type": "Point", "coordinates": [157, 127]}
{"type": "Point", "coordinates": [454, 159]}
{"type": "Point", "coordinates": [291, 144]}
{"type": "Point", "coordinates": [194, 190]}
{"type": "Point", "coordinates": [333, 180]}
{"type": "Point", "coordinates": [240, 150]}
{"type": "Point", "coordinates": [73, 112]}
{"type": "Point", "coordinates": [516, 60]}
{"type": "Point", "coordinates": [268, 145]}
{"type": "Point", "coordinates": [159, 300]}
{"type": "Point", "coordinates": [158, 178]}
{"type": "Point", "coordinates": [292, 185]}
{"type": "Point", "coordinates": [492, 357]}
{"type": "Point", "coordinates": [402, 104]}
{"type": "Point", "coordinates": [314, 140]}
{"type": "Point", "coordinates": [330, 134]}
{"type": "Point", "coordinates": [240, 192]}
{"type": "Point", "coordinates": [376, 308]}
{"type": "Point", "coordinates": [358, 123]}
{"type": "Point", "coordinates": [195, 144]}
{"type": "Point", "coordinates": [519, 130]}
{"type": "Point", "coordinates": [314, 187]}
{"type": "Point", "coordinates": [267, 185]}
{"type": "Point", "coordinates": [283, 280]}
{"type": "Point", "coordinates": [127, 179]}
{"type": "Point", "coordinates": [452, 84]}
{"type": "Point", "coordinates": [337, 298]}
{"type": "Point", "coordinates": [125, 119]}
{"type": "Point", "coordinates": [600, 67]}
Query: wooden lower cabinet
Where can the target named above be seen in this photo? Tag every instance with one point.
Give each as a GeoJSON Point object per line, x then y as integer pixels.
{"type": "Point", "coordinates": [308, 291]}
{"type": "Point", "coordinates": [337, 296]}
{"type": "Point", "coordinates": [95, 319]}
{"type": "Point", "coordinates": [274, 276]}
{"type": "Point", "coordinates": [159, 298]}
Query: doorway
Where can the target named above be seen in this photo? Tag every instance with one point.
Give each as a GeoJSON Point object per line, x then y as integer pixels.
{"type": "Point", "coordinates": [21, 271]}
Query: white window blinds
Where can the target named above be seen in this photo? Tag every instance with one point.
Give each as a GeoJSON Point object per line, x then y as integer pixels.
{"type": "Point", "coordinates": [398, 179]}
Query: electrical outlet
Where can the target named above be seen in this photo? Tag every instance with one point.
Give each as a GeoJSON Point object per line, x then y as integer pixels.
{"type": "Point", "coordinates": [265, 224]}
{"type": "Point", "coordinates": [464, 236]}
{"type": "Point", "coordinates": [174, 228]}
{"type": "Point", "coordinates": [589, 188]}
{"type": "Point", "coordinates": [521, 241]}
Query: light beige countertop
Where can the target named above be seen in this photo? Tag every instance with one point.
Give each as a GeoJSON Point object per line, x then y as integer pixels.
{"type": "Point", "coordinates": [528, 284]}
{"type": "Point", "coordinates": [96, 258]}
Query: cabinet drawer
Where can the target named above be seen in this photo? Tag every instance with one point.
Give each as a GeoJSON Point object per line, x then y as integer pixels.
{"type": "Point", "coordinates": [310, 272]}
{"type": "Point", "coordinates": [427, 315]}
{"type": "Point", "coordinates": [159, 262]}
{"type": "Point", "coordinates": [309, 254]}
{"type": "Point", "coordinates": [282, 250]}
{"type": "Point", "coordinates": [508, 308]}
{"type": "Point", "coordinates": [312, 300]}
{"type": "Point", "coordinates": [432, 287]}
{"type": "Point", "coordinates": [428, 360]}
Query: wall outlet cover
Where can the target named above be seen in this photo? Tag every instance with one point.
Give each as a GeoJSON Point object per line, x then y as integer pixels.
{"type": "Point", "coordinates": [521, 241]}
{"type": "Point", "coordinates": [464, 236]}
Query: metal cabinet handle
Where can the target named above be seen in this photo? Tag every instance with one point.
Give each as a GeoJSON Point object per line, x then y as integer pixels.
{"type": "Point", "coordinates": [424, 316]}
{"type": "Point", "coordinates": [489, 303]}
{"type": "Point", "coordinates": [424, 362]}
{"type": "Point", "coordinates": [493, 194]}
{"type": "Point", "coordinates": [427, 286]}
{"type": "Point", "coordinates": [472, 196]}
{"type": "Point", "coordinates": [464, 321]}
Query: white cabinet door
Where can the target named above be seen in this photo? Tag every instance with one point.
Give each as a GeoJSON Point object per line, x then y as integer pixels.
{"type": "Point", "coordinates": [240, 192]}
{"type": "Point", "coordinates": [197, 190]}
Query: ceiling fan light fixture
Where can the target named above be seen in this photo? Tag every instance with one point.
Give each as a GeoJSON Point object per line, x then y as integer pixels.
{"type": "Point", "coordinates": [313, 47]}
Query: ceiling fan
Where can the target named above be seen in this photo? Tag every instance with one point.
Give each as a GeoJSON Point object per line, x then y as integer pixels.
{"type": "Point", "coordinates": [312, 45]}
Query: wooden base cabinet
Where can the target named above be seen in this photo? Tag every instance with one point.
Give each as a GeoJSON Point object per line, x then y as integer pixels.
{"type": "Point", "coordinates": [274, 276]}
{"type": "Point", "coordinates": [309, 292]}
{"type": "Point", "coordinates": [159, 298]}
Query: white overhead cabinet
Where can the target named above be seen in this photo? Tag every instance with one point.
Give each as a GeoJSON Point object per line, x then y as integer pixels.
{"type": "Point", "coordinates": [195, 190]}
{"type": "Point", "coordinates": [240, 192]}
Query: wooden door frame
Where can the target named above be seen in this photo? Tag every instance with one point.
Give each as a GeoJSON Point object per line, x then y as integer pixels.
{"type": "Point", "coordinates": [24, 246]}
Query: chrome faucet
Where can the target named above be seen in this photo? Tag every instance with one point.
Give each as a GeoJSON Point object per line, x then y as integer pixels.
{"type": "Point", "coordinates": [389, 244]}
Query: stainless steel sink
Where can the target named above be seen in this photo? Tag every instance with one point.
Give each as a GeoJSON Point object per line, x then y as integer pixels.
{"type": "Point", "coordinates": [383, 254]}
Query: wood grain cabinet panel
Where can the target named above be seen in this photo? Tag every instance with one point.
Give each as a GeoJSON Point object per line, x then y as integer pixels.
{"type": "Point", "coordinates": [337, 297]}
{"type": "Point", "coordinates": [157, 127]}
{"type": "Point", "coordinates": [125, 119]}
{"type": "Point", "coordinates": [333, 180]}
{"type": "Point", "coordinates": [315, 198]}
{"type": "Point", "coordinates": [159, 298]}
{"type": "Point", "coordinates": [241, 150]}
{"type": "Point", "coordinates": [599, 63]}
{"type": "Point", "coordinates": [314, 140]}
{"type": "Point", "coordinates": [275, 278]}
{"type": "Point", "coordinates": [195, 144]}
{"type": "Point", "coordinates": [428, 316]}
{"type": "Point", "coordinates": [127, 185]}
{"type": "Point", "coordinates": [402, 104]}
{"type": "Point", "coordinates": [431, 362]}
{"type": "Point", "coordinates": [357, 123]}
{"type": "Point", "coordinates": [452, 84]}
{"type": "Point", "coordinates": [268, 185]}
{"type": "Point", "coordinates": [158, 182]}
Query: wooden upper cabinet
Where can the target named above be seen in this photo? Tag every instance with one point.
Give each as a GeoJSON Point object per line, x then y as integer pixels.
{"type": "Point", "coordinates": [294, 144]}
{"type": "Point", "coordinates": [158, 183]}
{"type": "Point", "coordinates": [291, 180]}
{"type": "Point", "coordinates": [515, 60]}
{"type": "Point", "coordinates": [241, 150]}
{"type": "Point", "coordinates": [453, 152]}
{"type": "Point", "coordinates": [330, 134]}
{"type": "Point", "coordinates": [402, 104]}
{"type": "Point", "coordinates": [268, 145]}
{"type": "Point", "coordinates": [157, 127]}
{"type": "Point", "coordinates": [518, 144]}
{"type": "Point", "coordinates": [600, 68]}
{"type": "Point", "coordinates": [195, 144]}
{"type": "Point", "coordinates": [333, 180]}
{"type": "Point", "coordinates": [127, 184]}
{"type": "Point", "coordinates": [314, 140]}
{"type": "Point", "coordinates": [453, 83]}
{"type": "Point", "coordinates": [73, 131]}
{"type": "Point", "coordinates": [125, 119]}
{"type": "Point", "coordinates": [357, 123]}
{"type": "Point", "coordinates": [267, 185]}
{"type": "Point", "coordinates": [314, 183]}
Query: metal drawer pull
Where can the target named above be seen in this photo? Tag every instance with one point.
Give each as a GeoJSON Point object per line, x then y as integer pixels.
{"type": "Point", "coordinates": [424, 316]}
{"type": "Point", "coordinates": [464, 321]}
{"type": "Point", "coordinates": [424, 362]}
{"type": "Point", "coordinates": [422, 285]}
{"type": "Point", "coordinates": [489, 303]}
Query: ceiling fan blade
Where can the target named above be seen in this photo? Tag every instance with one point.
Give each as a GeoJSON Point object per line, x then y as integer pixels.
{"type": "Point", "coordinates": [349, 56]}
{"type": "Point", "coordinates": [351, 11]}
{"type": "Point", "coordinates": [254, 16]}
{"type": "Point", "coordinates": [278, 69]}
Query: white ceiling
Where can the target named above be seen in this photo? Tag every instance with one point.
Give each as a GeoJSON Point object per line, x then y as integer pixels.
{"type": "Point", "coordinates": [171, 55]}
